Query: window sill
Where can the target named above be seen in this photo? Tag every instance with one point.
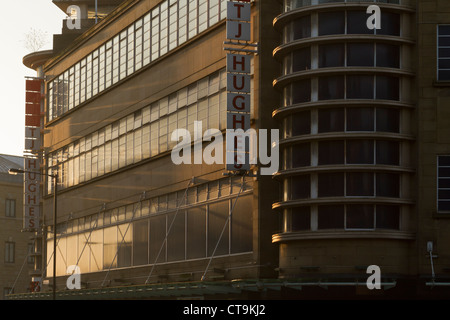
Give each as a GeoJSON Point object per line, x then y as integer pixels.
{"type": "Point", "coordinates": [441, 215]}
{"type": "Point", "coordinates": [441, 84]}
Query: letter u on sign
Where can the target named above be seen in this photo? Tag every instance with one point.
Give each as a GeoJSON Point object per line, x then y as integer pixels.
{"type": "Point", "coordinates": [238, 82]}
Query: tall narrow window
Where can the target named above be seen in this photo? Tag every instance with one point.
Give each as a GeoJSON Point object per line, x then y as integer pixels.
{"type": "Point", "coordinates": [443, 184]}
{"type": "Point", "coordinates": [10, 251]}
{"type": "Point", "coordinates": [10, 208]}
{"type": "Point", "coordinates": [444, 53]}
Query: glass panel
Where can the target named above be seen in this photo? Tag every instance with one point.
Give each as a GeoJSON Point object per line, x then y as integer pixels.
{"type": "Point", "coordinates": [301, 123]}
{"type": "Point", "coordinates": [140, 242]}
{"type": "Point", "coordinates": [331, 217]}
{"type": "Point", "coordinates": [125, 237]}
{"type": "Point", "coordinates": [241, 225]}
{"type": "Point", "coordinates": [156, 239]}
{"type": "Point", "coordinates": [360, 217]}
{"type": "Point", "coordinates": [388, 152]}
{"type": "Point", "coordinates": [388, 217]}
{"type": "Point", "coordinates": [388, 55]}
{"type": "Point", "coordinates": [331, 87]}
{"type": "Point", "coordinates": [300, 187]}
{"type": "Point", "coordinates": [388, 87]}
{"type": "Point", "coordinates": [359, 152]}
{"type": "Point", "coordinates": [359, 184]}
{"type": "Point", "coordinates": [302, 28]}
{"type": "Point", "coordinates": [390, 24]}
{"type": "Point", "coordinates": [332, 23]}
{"type": "Point", "coordinates": [357, 23]}
{"type": "Point", "coordinates": [301, 91]}
{"type": "Point", "coordinates": [359, 87]}
{"type": "Point", "coordinates": [196, 233]}
{"type": "Point", "coordinates": [217, 217]}
{"type": "Point", "coordinates": [331, 120]}
{"type": "Point", "coordinates": [96, 244]}
{"type": "Point", "coordinates": [360, 54]}
{"type": "Point", "coordinates": [331, 55]}
{"type": "Point", "coordinates": [176, 237]}
{"type": "Point", "coordinates": [388, 185]}
{"type": "Point", "coordinates": [331, 184]}
{"type": "Point", "coordinates": [301, 59]}
{"type": "Point", "coordinates": [331, 152]}
{"type": "Point", "coordinates": [301, 155]}
{"type": "Point", "coordinates": [300, 219]}
{"type": "Point", "coordinates": [360, 119]}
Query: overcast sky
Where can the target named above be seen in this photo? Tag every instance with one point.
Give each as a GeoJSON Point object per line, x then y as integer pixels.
{"type": "Point", "coordinates": [17, 19]}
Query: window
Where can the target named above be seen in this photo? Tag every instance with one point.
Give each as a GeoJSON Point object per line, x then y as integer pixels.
{"type": "Point", "coordinates": [300, 219]}
{"type": "Point", "coordinates": [443, 53]}
{"type": "Point", "coordinates": [331, 120]}
{"type": "Point", "coordinates": [301, 59]}
{"type": "Point", "coordinates": [301, 91]}
{"type": "Point", "coordinates": [359, 216]}
{"type": "Point", "coordinates": [10, 208]}
{"type": "Point", "coordinates": [162, 29]}
{"type": "Point", "coordinates": [332, 23]}
{"type": "Point", "coordinates": [359, 184]}
{"type": "Point", "coordinates": [331, 217]}
{"type": "Point", "coordinates": [360, 119]}
{"type": "Point", "coordinates": [301, 155]}
{"type": "Point", "coordinates": [331, 184]}
{"type": "Point", "coordinates": [360, 54]}
{"type": "Point", "coordinates": [331, 152]}
{"type": "Point", "coordinates": [301, 123]}
{"type": "Point", "coordinates": [143, 134]}
{"type": "Point", "coordinates": [388, 152]}
{"type": "Point", "coordinates": [301, 28]}
{"type": "Point", "coordinates": [443, 184]}
{"type": "Point", "coordinates": [388, 55]}
{"type": "Point", "coordinates": [357, 23]}
{"type": "Point", "coordinates": [300, 187]}
{"type": "Point", "coordinates": [331, 55]}
{"type": "Point", "coordinates": [359, 152]}
{"type": "Point", "coordinates": [331, 87]}
{"type": "Point", "coordinates": [359, 87]}
{"type": "Point", "coordinates": [10, 254]}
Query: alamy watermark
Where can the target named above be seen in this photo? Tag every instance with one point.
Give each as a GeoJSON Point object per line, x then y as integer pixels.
{"type": "Point", "coordinates": [245, 147]}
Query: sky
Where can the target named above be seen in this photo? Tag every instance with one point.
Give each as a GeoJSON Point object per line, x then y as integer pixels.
{"type": "Point", "coordinates": [18, 18]}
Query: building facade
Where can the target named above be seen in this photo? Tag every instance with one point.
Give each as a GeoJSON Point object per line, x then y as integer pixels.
{"type": "Point", "coordinates": [16, 250]}
{"type": "Point", "coordinates": [362, 177]}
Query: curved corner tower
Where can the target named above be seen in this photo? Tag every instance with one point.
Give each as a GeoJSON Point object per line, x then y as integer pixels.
{"type": "Point", "coordinates": [347, 138]}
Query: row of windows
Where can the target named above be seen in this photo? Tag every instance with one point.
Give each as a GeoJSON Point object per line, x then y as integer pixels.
{"type": "Point", "coordinates": [444, 53]}
{"type": "Point", "coordinates": [293, 4]}
{"type": "Point", "coordinates": [347, 217]}
{"type": "Point", "coordinates": [156, 205]}
{"type": "Point", "coordinates": [348, 184]}
{"type": "Point", "coordinates": [143, 134]}
{"type": "Point", "coordinates": [343, 152]}
{"type": "Point", "coordinates": [194, 233]}
{"type": "Point", "coordinates": [443, 183]}
{"type": "Point", "coordinates": [357, 119]}
{"type": "Point", "coordinates": [167, 26]}
{"type": "Point", "coordinates": [10, 252]}
{"type": "Point", "coordinates": [340, 22]}
{"type": "Point", "coordinates": [345, 55]}
{"type": "Point", "coordinates": [343, 87]}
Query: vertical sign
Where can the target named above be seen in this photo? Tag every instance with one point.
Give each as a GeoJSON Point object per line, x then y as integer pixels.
{"type": "Point", "coordinates": [238, 87]}
{"type": "Point", "coordinates": [32, 146]}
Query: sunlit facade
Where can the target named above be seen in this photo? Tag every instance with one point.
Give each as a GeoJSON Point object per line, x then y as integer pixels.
{"type": "Point", "coordinates": [364, 157]}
